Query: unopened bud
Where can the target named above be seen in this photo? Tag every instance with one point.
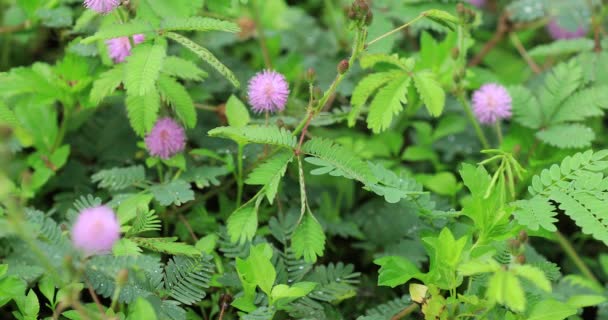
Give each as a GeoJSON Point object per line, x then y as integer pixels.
{"type": "Point", "coordinates": [369, 18]}
{"type": "Point", "coordinates": [311, 75]}
{"type": "Point", "coordinates": [521, 259]}
{"type": "Point", "coordinates": [514, 244]}
{"type": "Point", "coordinates": [343, 66]}
{"type": "Point", "coordinates": [460, 9]}
{"type": "Point", "coordinates": [523, 236]}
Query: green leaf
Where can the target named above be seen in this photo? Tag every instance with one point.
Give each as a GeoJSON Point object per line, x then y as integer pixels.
{"type": "Point", "coordinates": [28, 305]}
{"type": "Point", "coordinates": [242, 224]}
{"type": "Point", "coordinates": [11, 287]}
{"type": "Point", "coordinates": [535, 275]}
{"type": "Point", "coordinates": [257, 270]}
{"type": "Point", "coordinates": [387, 103]}
{"type": "Point", "coordinates": [175, 192]}
{"type": "Point", "coordinates": [442, 17]}
{"type": "Point", "coordinates": [167, 245]}
{"type": "Point", "coordinates": [561, 47]}
{"type": "Point", "coordinates": [364, 90]}
{"type": "Point", "coordinates": [586, 210]}
{"type": "Point", "coordinates": [177, 96]}
{"type": "Point", "coordinates": [560, 84]}
{"type": "Point", "coordinates": [526, 108]}
{"type": "Point", "coordinates": [143, 68]}
{"type": "Point", "coordinates": [198, 24]}
{"type": "Point", "coordinates": [141, 309]}
{"type": "Point", "coordinates": [206, 55]}
{"type": "Point", "coordinates": [106, 84]}
{"type": "Point", "coordinates": [272, 135]}
{"type": "Point", "coordinates": [283, 294]}
{"type": "Point", "coordinates": [395, 271]}
{"type": "Point", "coordinates": [186, 279]}
{"type": "Point", "coordinates": [551, 310]}
{"type": "Point", "coordinates": [567, 136]}
{"type": "Point", "coordinates": [117, 30]}
{"type": "Point", "coordinates": [182, 68]}
{"type": "Point", "coordinates": [269, 173]}
{"type": "Point", "coordinates": [430, 92]}
{"type": "Point", "coordinates": [236, 112]}
{"type": "Point", "coordinates": [534, 213]}
{"type": "Point", "coordinates": [478, 266]}
{"type": "Point", "coordinates": [143, 111]}
{"type": "Point", "coordinates": [126, 247]}
{"type": "Point", "coordinates": [116, 179]}
{"type": "Point", "coordinates": [505, 288]}
{"type": "Point", "coordinates": [308, 240]}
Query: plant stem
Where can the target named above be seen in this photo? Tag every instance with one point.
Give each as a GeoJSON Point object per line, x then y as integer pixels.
{"type": "Point", "coordinates": [522, 51]}
{"type": "Point", "coordinates": [261, 35]}
{"type": "Point", "coordinates": [357, 48]}
{"type": "Point", "coordinates": [239, 177]}
{"type": "Point", "coordinates": [395, 30]}
{"type": "Point", "coordinates": [572, 254]}
{"type": "Point", "coordinates": [498, 129]}
{"type": "Point", "coordinates": [405, 312]}
{"type": "Point", "coordinates": [467, 108]}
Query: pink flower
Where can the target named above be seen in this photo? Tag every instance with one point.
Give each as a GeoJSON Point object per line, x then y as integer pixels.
{"type": "Point", "coordinates": [491, 103]}
{"type": "Point", "coordinates": [477, 3]}
{"type": "Point", "coordinates": [120, 48]}
{"type": "Point", "coordinates": [166, 139]}
{"type": "Point", "coordinates": [96, 230]}
{"type": "Point", "coordinates": [268, 91]}
{"type": "Point", "coordinates": [558, 32]}
{"type": "Point", "coordinates": [102, 6]}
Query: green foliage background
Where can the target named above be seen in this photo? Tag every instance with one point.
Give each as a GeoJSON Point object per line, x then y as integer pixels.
{"type": "Point", "coordinates": [374, 195]}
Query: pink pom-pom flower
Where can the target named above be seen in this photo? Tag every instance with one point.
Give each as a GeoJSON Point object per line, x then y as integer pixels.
{"type": "Point", "coordinates": [102, 6]}
{"type": "Point", "coordinates": [557, 32]}
{"type": "Point", "coordinates": [477, 3]}
{"type": "Point", "coordinates": [166, 139]}
{"type": "Point", "coordinates": [95, 230]}
{"type": "Point", "coordinates": [492, 103]}
{"type": "Point", "coordinates": [268, 91]}
{"type": "Point", "coordinates": [120, 48]}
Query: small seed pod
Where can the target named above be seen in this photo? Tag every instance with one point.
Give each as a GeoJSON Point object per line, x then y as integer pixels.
{"type": "Point", "coordinates": [311, 74]}
{"type": "Point", "coordinates": [523, 236]}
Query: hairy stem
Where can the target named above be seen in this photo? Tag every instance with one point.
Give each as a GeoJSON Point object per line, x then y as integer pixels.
{"type": "Point", "coordinates": [405, 312]}
{"type": "Point", "coordinates": [239, 178]}
{"type": "Point", "coordinates": [467, 108]}
{"type": "Point", "coordinates": [395, 30]}
{"type": "Point", "coordinates": [522, 51]}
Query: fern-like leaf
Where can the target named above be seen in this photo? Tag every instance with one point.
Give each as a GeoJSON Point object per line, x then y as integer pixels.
{"type": "Point", "coordinates": [566, 136]}
{"type": "Point", "coordinates": [308, 239]}
{"type": "Point", "coordinates": [206, 55]}
{"type": "Point", "coordinates": [271, 135]}
{"type": "Point", "coordinates": [186, 279]}
{"type": "Point", "coordinates": [182, 68]}
{"type": "Point", "coordinates": [337, 161]}
{"type": "Point", "coordinates": [430, 92]}
{"type": "Point", "coordinates": [106, 84]}
{"type": "Point", "coordinates": [177, 96]}
{"type": "Point", "coordinates": [269, 174]}
{"type": "Point", "coordinates": [116, 179]}
{"type": "Point", "coordinates": [143, 68]}
{"type": "Point", "coordinates": [115, 30]}
{"type": "Point", "coordinates": [365, 88]}
{"type": "Point", "coordinates": [144, 221]}
{"type": "Point", "coordinates": [143, 111]}
{"type": "Point", "coordinates": [198, 24]}
{"type": "Point", "coordinates": [387, 103]}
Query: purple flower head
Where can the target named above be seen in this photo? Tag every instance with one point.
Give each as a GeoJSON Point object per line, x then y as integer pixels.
{"type": "Point", "coordinates": [102, 6]}
{"type": "Point", "coordinates": [166, 139]}
{"type": "Point", "coordinates": [96, 230]}
{"type": "Point", "coordinates": [491, 103]}
{"type": "Point", "coordinates": [477, 3]}
{"type": "Point", "coordinates": [557, 32]}
{"type": "Point", "coordinates": [120, 48]}
{"type": "Point", "coordinates": [268, 91]}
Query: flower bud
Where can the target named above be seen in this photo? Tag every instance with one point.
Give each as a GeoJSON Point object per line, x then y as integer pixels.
{"type": "Point", "coordinates": [521, 259]}
{"type": "Point", "coordinates": [311, 75]}
{"type": "Point", "coordinates": [369, 18]}
{"type": "Point", "coordinates": [455, 53]}
{"type": "Point", "coordinates": [343, 66]}
{"type": "Point", "coordinates": [523, 236]}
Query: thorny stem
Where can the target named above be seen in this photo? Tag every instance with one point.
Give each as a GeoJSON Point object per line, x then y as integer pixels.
{"type": "Point", "coordinates": [572, 254]}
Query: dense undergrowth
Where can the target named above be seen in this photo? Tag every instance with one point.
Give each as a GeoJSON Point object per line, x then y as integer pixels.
{"type": "Point", "coordinates": [317, 159]}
